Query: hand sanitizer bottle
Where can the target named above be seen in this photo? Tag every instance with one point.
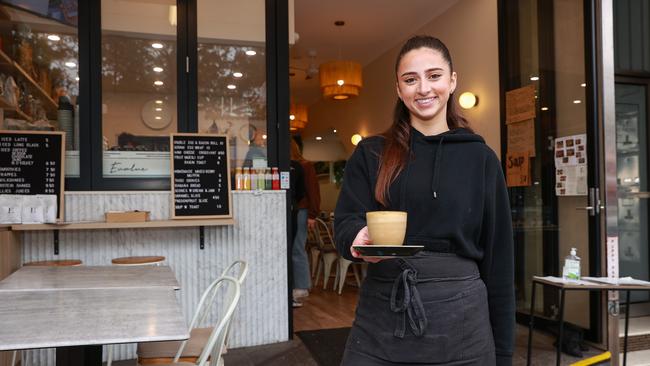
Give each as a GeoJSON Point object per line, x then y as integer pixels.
{"type": "Point", "coordinates": [571, 269]}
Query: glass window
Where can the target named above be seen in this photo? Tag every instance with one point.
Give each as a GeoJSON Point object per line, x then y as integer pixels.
{"type": "Point", "coordinates": [232, 77]}
{"type": "Point", "coordinates": [138, 87]}
{"type": "Point", "coordinates": [39, 81]}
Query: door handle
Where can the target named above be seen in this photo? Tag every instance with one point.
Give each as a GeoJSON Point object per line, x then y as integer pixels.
{"type": "Point", "coordinates": [588, 208]}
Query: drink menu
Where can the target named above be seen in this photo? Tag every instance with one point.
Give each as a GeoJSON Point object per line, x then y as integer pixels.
{"type": "Point", "coordinates": [31, 162]}
{"type": "Point", "coordinates": [200, 176]}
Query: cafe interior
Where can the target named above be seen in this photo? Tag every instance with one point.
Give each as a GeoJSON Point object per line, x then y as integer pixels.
{"type": "Point", "coordinates": [133, 254]}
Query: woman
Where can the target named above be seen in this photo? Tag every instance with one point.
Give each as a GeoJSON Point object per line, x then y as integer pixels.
{"type": "Point", "coordinates": [452, 303]}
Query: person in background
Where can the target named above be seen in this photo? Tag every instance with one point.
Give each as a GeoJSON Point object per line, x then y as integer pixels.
{"type": "Point", "coordinates": [308, 211]}
{"type": "Point", "coordinates": [452, 303]}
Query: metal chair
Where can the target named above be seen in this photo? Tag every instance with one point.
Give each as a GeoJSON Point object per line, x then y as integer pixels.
{"type": "Point", "coordinates": [327, 251]}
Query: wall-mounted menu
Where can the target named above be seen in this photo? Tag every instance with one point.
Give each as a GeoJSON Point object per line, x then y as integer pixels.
{"type": "Point", "coordinates": [200, 176]}
{"type": "Point", "coordinates": [31, 162]}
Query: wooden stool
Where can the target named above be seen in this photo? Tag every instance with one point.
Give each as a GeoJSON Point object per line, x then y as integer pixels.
{"type": "Point", "coordinates": [138, 261]}
{"type": "Point", "coordinates": [55, 263]}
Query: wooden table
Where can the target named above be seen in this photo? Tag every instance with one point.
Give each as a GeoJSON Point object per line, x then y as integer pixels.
{"type": "Point", "coordinates": [33, 278]}
{"type": "Point", "coordinates": [590, 286]}
{"type": "Point", "coordinates": [78, 315]}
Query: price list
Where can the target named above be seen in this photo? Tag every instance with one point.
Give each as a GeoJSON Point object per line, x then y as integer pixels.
{"type": "Point", "coordinates": [31, 163]}
{"type": "Point", "coordinates": [200, 176]}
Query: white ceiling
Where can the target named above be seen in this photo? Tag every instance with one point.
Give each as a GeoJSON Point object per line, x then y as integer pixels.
{"type": "Point", "coordinates": [372, 27]}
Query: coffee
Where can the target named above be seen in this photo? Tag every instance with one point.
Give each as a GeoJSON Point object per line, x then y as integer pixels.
{"type": "Point", "coordinates": [386, 227]}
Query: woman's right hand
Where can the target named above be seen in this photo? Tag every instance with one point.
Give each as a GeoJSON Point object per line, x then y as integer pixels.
{"type": "Point", "coordinates": [363, 238]}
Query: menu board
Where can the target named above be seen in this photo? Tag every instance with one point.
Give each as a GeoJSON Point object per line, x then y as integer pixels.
{"type": "Point", "coordinates": [31, 162]}
{"type": "Point", "coordinates": [200, 176]}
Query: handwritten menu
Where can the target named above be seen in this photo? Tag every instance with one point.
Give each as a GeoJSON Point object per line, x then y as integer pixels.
{"type": "Point", "coordinates": [31, 162]}
{"type": "Point", "coordinates": [520, 104]}
{"type": "Point", "coordinates": [200, 176]}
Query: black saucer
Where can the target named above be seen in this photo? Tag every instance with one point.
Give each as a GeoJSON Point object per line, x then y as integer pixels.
{"type": "Point", "coordinates": [387, 250]}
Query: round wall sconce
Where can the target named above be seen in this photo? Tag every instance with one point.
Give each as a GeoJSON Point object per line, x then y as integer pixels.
{"type": "Point", "coordinates": [355, 139]}
{"type": "Point", "coordinates": [468, 100]}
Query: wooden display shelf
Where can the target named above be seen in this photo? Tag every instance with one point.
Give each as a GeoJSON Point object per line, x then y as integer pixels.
{"type": "Point", "coordinates": [98, 225]}
{"type": "Point", "coordinates": [9, 65]}
{"type": "Point", "coordinates": [14, 110]}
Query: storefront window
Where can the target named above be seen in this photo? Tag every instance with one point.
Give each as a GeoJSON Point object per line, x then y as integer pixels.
{"type": "Point", "coordinates": [138, 87]}
{"type": "Point", "coordinates": [39, 80]}
{"type": "Point", "coordinates": [232, 77]}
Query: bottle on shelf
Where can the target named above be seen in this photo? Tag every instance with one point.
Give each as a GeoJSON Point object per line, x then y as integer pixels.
{"type": "Point", "coordinates": [239, 179]}
{"type": "Point", "coordinates": [253, 179]}
{"type": "Point", "coordinates": [571, 270]}
{"type": "Point", "coordinates": [261, 183]}
{"type": "Point", "coordinates": [268, 179]}
{"type": "Point", "coordinates": [275, 179]}
{"type": "Point", "coordinates": [247, 179]}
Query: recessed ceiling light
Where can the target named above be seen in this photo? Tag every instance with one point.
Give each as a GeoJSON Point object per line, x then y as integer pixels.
{"type": "Point", "coordinates": [545, 108]}
{"type": "Point", "coordinates": [71, 64]}
{"type": "Point", "coordinates": [231, 86]}
{"type": "Point", "coordinates": [158, 109]}
{"type": "Point", "coordinates": [77, 78]}
{"type": "Point", "coordinates": [158, 69]}
{"type": "Point", "coordinates": [53, 37]}
{"type": "Point", "coordinates": [318, 138]}
{"type": "Point", "coordinates": [584, 85]}
{"type": "Point", "coordinates": [335, 130]}
{"type": "Point", "coordinates": [577, 101]}
{"type": "Point", "coordinates": [159, 102]}
{"type": "Point", "coordinates": [158, 83]}
{"type": "Point", "coordinates": [158, 117]}
{"type": "Point", "coordinates": [157, 45]}
{"type": "Point", "coordinates": [251, 53]}
{"type": "Point", "coordinates": [264, 137]}
{"type": "Point", "coordinates": [534, 78]}
{"type": "Point", "coordinates": [237, 74]}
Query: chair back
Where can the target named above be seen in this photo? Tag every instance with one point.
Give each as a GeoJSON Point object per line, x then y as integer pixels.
{"type": "Point", "coordinates": [215, 344]}
{"type": "Point", "coordinates": [240, 276]}
{"type": "Point", "coordinates": [324, 236]}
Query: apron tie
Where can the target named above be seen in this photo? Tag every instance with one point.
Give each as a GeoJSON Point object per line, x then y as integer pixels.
{"type": "Point", "coordinates": [405, 299]}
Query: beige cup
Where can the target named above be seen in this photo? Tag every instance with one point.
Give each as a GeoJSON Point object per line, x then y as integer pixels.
{"type": "Point", "coordinates": [386, 227]}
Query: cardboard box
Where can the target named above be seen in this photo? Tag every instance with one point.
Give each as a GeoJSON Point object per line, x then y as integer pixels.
{"type": "Point", "coordinates": [127, 216]}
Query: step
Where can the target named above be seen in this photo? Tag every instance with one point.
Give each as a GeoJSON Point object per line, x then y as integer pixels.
{"type": "Point", "coordinates": [638, 333]}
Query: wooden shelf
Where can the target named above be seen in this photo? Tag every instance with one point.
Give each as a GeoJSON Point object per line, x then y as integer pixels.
{"type": "Point", "coordinates": [12, 109]}
{"type": "Point", "coordinates": [122, 225]}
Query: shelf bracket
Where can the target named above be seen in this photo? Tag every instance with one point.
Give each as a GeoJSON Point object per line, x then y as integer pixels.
{"type": "Point", "coordinates": [201, 237]}
{"type": "Point", "coordinates": [56, 241]}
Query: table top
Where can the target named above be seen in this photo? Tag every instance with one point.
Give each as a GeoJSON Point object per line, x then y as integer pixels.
{"type": "Point", "coordinates": [590, 285]}
{"type": "Point", "coordinates": [35, 278]}
{"type": "Point", "coordinates": [55, 318]}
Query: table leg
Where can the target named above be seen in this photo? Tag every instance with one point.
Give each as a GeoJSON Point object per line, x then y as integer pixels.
{"type": "Point", "coordinates": [79, 355]}
{"type": "Point", "coordinates": [531, 324]}
{"type": "Point", "coordinates": [627, 322]}
{"type": "Point", "coordinates": [560, 325]}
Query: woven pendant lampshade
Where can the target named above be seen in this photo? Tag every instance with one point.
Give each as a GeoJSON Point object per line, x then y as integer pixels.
{"type": "Point", "coordinates": [297, 117]}
{"type": "Point", "coordinates": [340, 79]}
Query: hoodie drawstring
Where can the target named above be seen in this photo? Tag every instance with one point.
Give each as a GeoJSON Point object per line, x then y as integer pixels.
{"type": "Point", "coordinates": [436, 169]}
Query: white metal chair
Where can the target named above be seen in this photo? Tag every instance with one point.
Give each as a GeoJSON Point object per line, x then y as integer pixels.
{"type": "Point", "coordinates": [191, 350]}
{"type": "Point", "coordinates": [327, 251]}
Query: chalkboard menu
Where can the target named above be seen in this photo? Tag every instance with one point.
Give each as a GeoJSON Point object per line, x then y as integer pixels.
{"type": "Point", "coordinates": [200, 176]}
{"type": "Point", "coordinates": [31, 162]}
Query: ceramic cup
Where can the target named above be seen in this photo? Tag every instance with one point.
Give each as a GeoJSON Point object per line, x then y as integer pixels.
{"type": "Point", "coordinates": [386, 227]}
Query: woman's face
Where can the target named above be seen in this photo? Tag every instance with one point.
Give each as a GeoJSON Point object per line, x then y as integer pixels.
{"type": "Point", "coordinates": [424, 83]}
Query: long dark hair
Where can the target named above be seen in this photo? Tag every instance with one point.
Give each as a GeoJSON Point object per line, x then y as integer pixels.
{"type": "Point", "coordinates": [396, 139]}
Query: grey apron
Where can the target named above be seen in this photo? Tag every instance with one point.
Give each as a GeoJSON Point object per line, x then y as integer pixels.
{"type": "Point", "coordinates": [429, 309]}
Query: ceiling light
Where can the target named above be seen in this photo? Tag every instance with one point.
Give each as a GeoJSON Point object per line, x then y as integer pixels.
{"type": "Point", "coordinates": [71, 64]}
{"type": "Point", "coordinates": [534, 78]}
{"type": "Point", "coordinates": [545, 108]}
{"type": "Point", "coordinates": [159, 102]}
{"type": "Point", "coordinates": [158, 69]}
{"type": "Point", "coordinates": [340, 79]}
{"type": "Point", "coordinates": [251, 53]}
{"type": "Point", "coordinates": [577, 101]}
{"type": "Point", "coordinates": [158, 83]}
{"type": "Point", "coordinates": [334, 130]}
{"type": "Point", "coordinates": [231, 86]}
{"type": "Point", "coordinates": [297, 116]}
{"type": "Point", "coordinates": [158, 117]}
{"type": "Point", "coordinates": [584, 85]}
{"type": "Point", "coordinates": [264, 137]}
{"type": "Point", "coordinates": [237, 74]}
{"type": "Point", "coordinates": [292, 117]}
{"type": "Point", "coordinates": [318, 138]}
{"type": "Point", "coordinates": [355, 139]}
{"type": "Point", "coordinates": [158, 109]}
{"type": "Point", "coordinates": [468, 100]}
{"type": "Point", "coordinates": [157, 45]}
{"type": "Point", "coordinates": [77, 78]}
{"type": "Point", "coordinates": [53, 37]}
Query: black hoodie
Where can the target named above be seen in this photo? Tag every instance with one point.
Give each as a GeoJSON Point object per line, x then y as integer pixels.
{"type": "Point", "coordinates": [456, 197]}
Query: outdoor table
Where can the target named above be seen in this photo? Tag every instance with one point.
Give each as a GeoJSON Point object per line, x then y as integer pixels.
{"type": "Point", "coordinates": [584, 286]}
{"type": "Point", "coordinates": [79, 311]}
{"type": "Point", "coordinates": [30, 278]}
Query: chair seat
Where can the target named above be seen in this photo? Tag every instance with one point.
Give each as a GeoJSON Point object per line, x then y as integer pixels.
{"type": "Point", "coordinates": [198, 339]}
{"type": "Point", "coordinates": [55, 263]}
{"type": "Point", "coordinates": [138, 260]}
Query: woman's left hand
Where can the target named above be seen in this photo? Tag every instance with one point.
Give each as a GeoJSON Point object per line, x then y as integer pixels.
{"type": "Point", "coordinates": [363, 238]}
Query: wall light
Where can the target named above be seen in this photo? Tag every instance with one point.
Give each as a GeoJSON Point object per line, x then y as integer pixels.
{"type": "Point", "coordinates": [355, 139]}
{"type": "Point", "coordinates": [468, 100]}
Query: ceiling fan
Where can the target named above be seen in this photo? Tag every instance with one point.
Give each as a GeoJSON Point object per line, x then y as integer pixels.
{"type": "Point", "coordinates": [310, 71]}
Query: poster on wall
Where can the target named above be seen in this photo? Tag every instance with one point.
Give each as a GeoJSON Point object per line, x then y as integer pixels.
{"type": "Point", "coordinates": [517, 169]}
{"type": "Point", "coordinates": [571, 165]}
{"type": "Point", "coordinates": [520, 104]}
{"type": "Point", "coordinates": [521, 137]}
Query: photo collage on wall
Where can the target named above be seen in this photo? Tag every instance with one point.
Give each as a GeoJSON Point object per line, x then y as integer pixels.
{"type": "Point", "coordinates": [571, 165]}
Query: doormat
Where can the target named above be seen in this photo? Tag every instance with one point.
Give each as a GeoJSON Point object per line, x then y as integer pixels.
{"type": "Point", "coordinates": [325, 345]}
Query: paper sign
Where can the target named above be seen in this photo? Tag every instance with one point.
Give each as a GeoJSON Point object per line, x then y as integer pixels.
{"type": "Point", "coordinates": [571, 180]}
{"type": "Point", "coordinates": [520, 104]}
{"type": "Point", "coordinates": [571, 150]}
{"type": "Point", "coordinates": [521, 137]}
{"type": "Point", "coordinates": [517, 169]}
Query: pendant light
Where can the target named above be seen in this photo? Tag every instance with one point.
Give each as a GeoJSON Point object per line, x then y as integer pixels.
{"type": "Point", "coordinates": [340, 79]}
{"type": "Point", "coordinates": [297, 117]}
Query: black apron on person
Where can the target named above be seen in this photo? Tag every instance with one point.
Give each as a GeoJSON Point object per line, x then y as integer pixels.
{"type": "Point", "coordinates": [429, 309]}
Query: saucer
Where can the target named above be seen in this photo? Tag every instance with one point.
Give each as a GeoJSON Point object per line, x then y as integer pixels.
{"type": "Point", "coordinates": [387, 250]}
